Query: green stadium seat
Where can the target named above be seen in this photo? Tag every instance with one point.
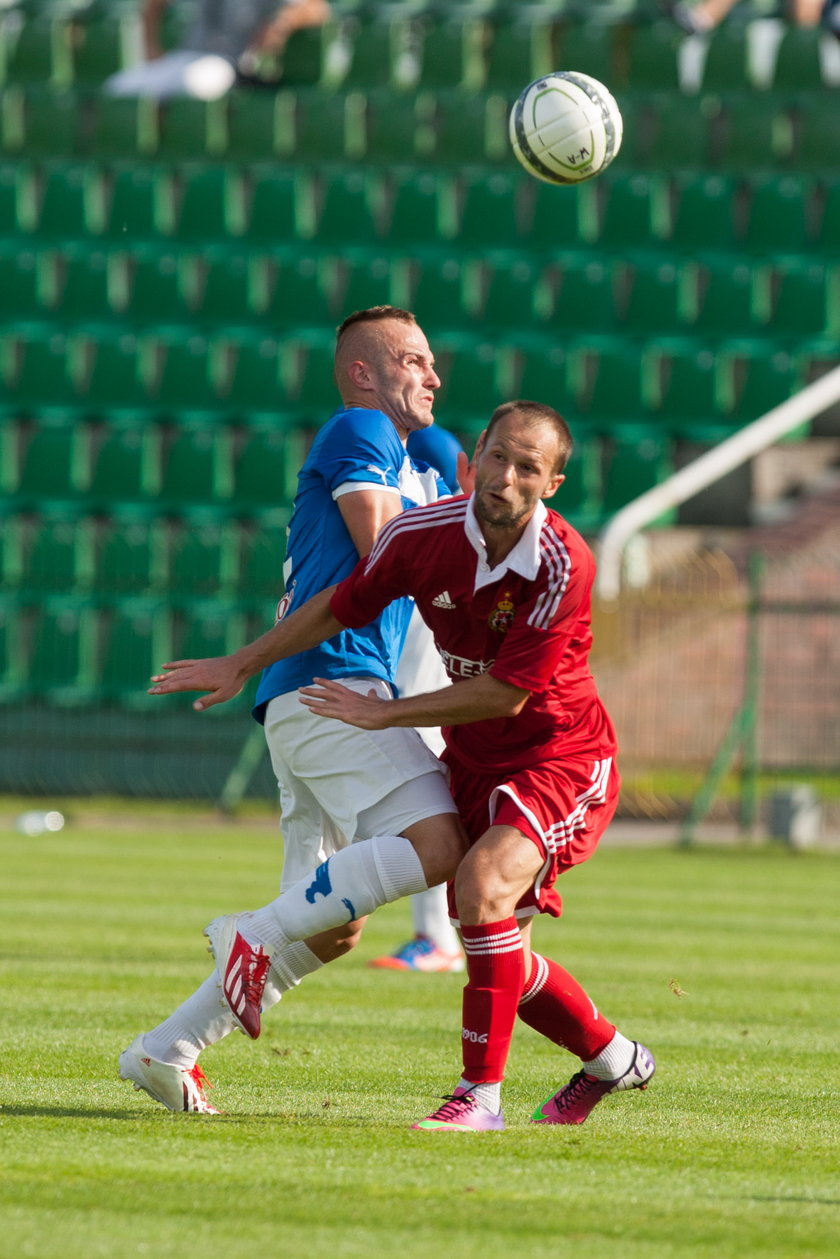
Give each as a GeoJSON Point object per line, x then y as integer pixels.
{"type": "Point", "coordinates": [201, 552]}
{"type": "Point", "coordinates": [192, 129]}
{"type": "Point", "coordinates": [50, 123]}
{"type": "Point", "coordinates": [130, 551]}
{"type": "Point", "coordinates": [137, 638]}
{"type": "Point", "coordinates": [753, 132]}
{"type": "Point", "coordinates": [197, 463]}
{"type": "Point", "coordinates": [802, 298]}
{"type": "Point", "coordinates": [517, 294]}
{"type": "Point", "coordinates": [725, 297]}
{"type": "Point", "coordinates": [465, 128]}
{"type": "Point", "coordinates": [72, 202]}
{"type": "Point", "coordinates": [324, 125]}
{"type": "Point", "coordinates": [85, 287]}
{"type": "Point", "coordinates": [705, 210]}
{"type": "Point", "coordinates": [30, 54]}
{"type": "Point", "coordinates": [440, 298]}
{"type": "Point", "coordinates": [798, 64]}
{"type": "Point", "coordinates": [60, 551]}
{"type": "Point", "coordinates": [472, 382]}
{"type": "Point", "coordinates": [652, 56]}
{"type": "Point", "coordinates": [260, 569]}
{"type": "Point", "coordinates": [301, 291]}
{"type": "Point", "coordinates": [26, 283]}
{"type": "Point", "coordinates": [489, 208]}
{"type": "Point", "coordinates": [580, 496]}
{"type": "Point", "coordinates": [227, 291]}
{"type": "Point", "coordinates": [63, 660]}
{"type": "Point", "coordinates": [415, 208]}
{"type": "Point", "coordinates": [629, 203]}
{"type": "Point", "coordinates": [304, 56]}
{"type": "Point", "coordinates": [267, 464]}
{"type": "Point", "coordinates": [122, 128]}
{"type": "Point", "coordinates": [826, 237]}
{"type": "Point", "coordinates": [542, 376]}
{"type": "Point", "coordinates": [518, 51]}
{"type": "Point", "coordinates": [211, 206]}
{"type": "Point", "coordinates": [12, 216]}
{"type": "Point", "coordinates": [726, 67]}
{"type": "Point", "coordinates": [394, 125]}
{"type": "Point", "coordinates": [157, 286]}
{"type": "Point", "coordinates": [553, 217]}
{"type": "Point", "coordinates": [757, 380]}
{"type": "Point", "coordinates": [608, 379]}
{"type": "Point", "coordinates": [687, 386]}
{"type": "Point", "coordinates": [681, 131]}
{"type": "Point", "coordinates": [208, 627]}
{"type": "Point", "coordinates": [98, 48]}
{"type": "Point", "coordinates": [347, 211]}
{"type": "Point", "coordinates": [450, 49]}
{"type": "Point", "coordinates": [44, 374]}
{"type": "Point", "coordinates": [588, 47]}
{"type": "Point", "coordinates": [374, 43]}
{"type": "Point", "coordinates": [54, 459]}
{"type": "Point", "coordinates": [369, 279]}
{"type": "Point", "coordinates": [142, 205]}
{"type": "Point", "coordinates": [113, 381]}
{"type": "Point", "coordinates": [15, 635]}
{"type": "Point", "coordinates": [638, 457]}
{"type": "Point", "coordinates": [817, 129]}
{"type": "Point", "coordinates": [260, 125]}
{"type": "Point", "coordinates": [257, 381]}
{"type": "Point", "coordinates": [273, 213]}
{"type": "Point", "coordinates": [187, 376]}
{"type": "Point", "coordinates": [653, 301]}
{"type": "Point", "coordinates": [778, 213]}
{"type": "Point", "coordinates": [314, 397]}
{"type": "Point", "coordinates": [585, 295]}
{"type": "Point", "coordinates": [124, 461]}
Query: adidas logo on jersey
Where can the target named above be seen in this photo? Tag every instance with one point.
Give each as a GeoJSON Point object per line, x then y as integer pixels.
{"type": "Point", "coordinates": [443, 600]}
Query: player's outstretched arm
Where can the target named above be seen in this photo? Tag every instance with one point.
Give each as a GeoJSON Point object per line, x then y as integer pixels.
{"type": "Point", "coordinates": [222, 677]}
{"type": "Point", "coordinates": [474, 699]}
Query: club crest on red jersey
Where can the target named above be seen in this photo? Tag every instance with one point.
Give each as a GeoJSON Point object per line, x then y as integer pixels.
{"type": "Point", "coordinates": [501, 618]}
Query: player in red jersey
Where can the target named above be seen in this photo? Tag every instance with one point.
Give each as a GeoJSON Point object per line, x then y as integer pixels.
{"type": "Point", "coordinates": [505, 585]}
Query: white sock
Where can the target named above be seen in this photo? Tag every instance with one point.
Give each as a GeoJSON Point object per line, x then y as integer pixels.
{"type": "Point", "coordinates": [205, 1018]}
{"type": "Point", "coordinates": [488, 1095]}
{"type": "Point", "coordinates": [613, 1061]}
{"type": "Point", "coordinates": [430, 915]}
{"type": "Point", "coordinates": [352, 883]}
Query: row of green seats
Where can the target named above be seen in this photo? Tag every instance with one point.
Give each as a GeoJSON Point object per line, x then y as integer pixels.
{"type": "Point", "coordinates": [135, 549]}
{"type": "Point", "coordinates": [266, 208]}
{"type": "Point", "coordinates": [84, 651]}
{"type": "Point", "coordinates": [442, 48]}
{"type": "Point", "coordinates": [739, 130]}
{"type": "Point", "coordinates": [710, 295]}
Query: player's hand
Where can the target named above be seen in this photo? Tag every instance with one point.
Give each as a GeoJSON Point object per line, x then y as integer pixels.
{"type": "Point", "coordinates": [220, 675]}
{"type": "Point", "coordinates": [331, 699]}
{"type": "Point", "coordinates": [465, 472]}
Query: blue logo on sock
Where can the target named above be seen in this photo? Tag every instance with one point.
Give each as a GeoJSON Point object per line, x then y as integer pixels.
{"type": "Point", "coordinates": [321, 885]}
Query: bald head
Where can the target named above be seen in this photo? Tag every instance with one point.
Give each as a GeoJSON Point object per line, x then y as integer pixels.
{"type": "Point", "coordinates": [383, 362]}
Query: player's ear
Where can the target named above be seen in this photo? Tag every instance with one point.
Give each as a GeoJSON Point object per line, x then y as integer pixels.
{"type": "Point", "coordinates": [479, 445]}
{"type": "Point", "coordinates": [359, 374]}
{"type": "Point", "coordinates": [553, 485]}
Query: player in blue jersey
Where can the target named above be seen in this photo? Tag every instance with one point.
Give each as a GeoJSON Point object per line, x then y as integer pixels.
{"type": "Point", "coordinates": [337, 783]}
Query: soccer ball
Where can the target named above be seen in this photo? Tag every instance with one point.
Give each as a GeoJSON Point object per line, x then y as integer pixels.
{"type": "Point", "coordinates": [565, 127]}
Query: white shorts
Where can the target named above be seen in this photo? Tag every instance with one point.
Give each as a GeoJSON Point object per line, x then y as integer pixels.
{"type": "Point", "coordinates": [339, 784]}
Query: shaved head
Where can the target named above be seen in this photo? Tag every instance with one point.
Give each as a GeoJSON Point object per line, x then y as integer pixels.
{"type": "Point", "coordinates": [383, 362]}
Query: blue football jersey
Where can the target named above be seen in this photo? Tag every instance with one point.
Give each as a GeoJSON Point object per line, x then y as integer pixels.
{"type": "Point", "coordinates": [355, 448]}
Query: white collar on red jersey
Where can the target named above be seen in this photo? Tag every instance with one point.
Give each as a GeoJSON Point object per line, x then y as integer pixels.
{"type": "Point", "coordinates": [523, 559]}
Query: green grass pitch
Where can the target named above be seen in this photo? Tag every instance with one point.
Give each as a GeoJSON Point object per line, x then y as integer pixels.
{"type": "Point", "coordinates": [724, 962]}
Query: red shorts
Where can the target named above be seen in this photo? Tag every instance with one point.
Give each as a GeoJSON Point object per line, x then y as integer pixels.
{"type": "Point", "coordinates": [564, 807]}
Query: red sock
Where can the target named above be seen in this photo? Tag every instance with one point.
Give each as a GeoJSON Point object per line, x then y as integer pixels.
{"type": "Point", "coordinates": [496, 970]}
{"type": "Point", "coordinates": [555, 1005]}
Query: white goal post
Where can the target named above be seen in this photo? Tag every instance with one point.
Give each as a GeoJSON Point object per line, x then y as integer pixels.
{"type": "Point", "coordinates": [704, 471]}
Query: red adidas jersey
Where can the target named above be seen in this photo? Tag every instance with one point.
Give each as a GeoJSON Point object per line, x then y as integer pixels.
{"type": "Point", "coordinates": [526, 622]}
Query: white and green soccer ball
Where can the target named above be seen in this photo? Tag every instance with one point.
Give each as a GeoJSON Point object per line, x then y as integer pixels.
{"type": "Point", "coordinates": [565, 127]}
